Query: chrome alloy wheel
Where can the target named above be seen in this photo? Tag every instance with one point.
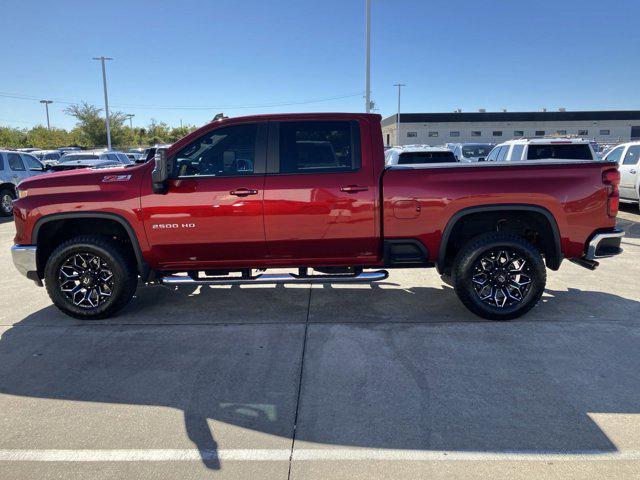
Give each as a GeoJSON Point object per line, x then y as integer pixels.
{"type": "Point", "coordinates": [501, 278]}
{"type": "Point", "coordinates": [6, 203]}
{"type": "Point", "coordinates": [86, 280]}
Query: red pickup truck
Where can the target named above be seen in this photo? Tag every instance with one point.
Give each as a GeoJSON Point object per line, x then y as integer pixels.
{"type": "Point", "coordinates": [310, 191]}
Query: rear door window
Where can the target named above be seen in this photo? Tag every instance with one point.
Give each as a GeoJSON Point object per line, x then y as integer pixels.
{"type": "Point", "coordinates": [572, 151]}
{"type": "Point", "coordinates": [319, 146]}
{"type": "Point", "coordinates": [516, 152]}
{"type": "Point", "coordinates": [15, 162]}
{"type": "Point", "coordinates": [413, 158]}
{"type": "Point", "coordinates": [631, 158]}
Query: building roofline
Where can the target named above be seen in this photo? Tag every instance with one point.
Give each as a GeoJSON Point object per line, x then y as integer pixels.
{"type": "Point", "coordinates": [455, 117]}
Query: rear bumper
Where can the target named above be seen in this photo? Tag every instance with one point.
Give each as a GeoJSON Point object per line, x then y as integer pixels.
{"type": "Point", "coordinates": [604, 245]}
{"type": "Point", "coordinates": [24, 259]}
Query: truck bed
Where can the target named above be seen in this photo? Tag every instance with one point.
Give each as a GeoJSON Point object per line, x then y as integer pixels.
{"type": "Point", "coordinates": [419, 201]}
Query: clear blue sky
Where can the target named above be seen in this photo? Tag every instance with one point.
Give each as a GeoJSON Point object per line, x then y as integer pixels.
{"type": "Point", "coordinates": [519, 55]}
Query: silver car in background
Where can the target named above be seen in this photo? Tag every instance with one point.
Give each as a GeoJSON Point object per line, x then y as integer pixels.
{"type": "Point", "coordinates": [14, 167]}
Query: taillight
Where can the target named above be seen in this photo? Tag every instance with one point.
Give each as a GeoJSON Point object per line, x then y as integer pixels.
{"type": "Point", "coordinates": [611, 179]}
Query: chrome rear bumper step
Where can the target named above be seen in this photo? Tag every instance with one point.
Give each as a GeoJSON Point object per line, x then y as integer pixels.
{"type": "Point", "coordinates": [266, 278]}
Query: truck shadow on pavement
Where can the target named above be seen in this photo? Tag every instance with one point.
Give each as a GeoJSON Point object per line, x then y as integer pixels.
{"type": "Point", "coordinates": [443, 383]}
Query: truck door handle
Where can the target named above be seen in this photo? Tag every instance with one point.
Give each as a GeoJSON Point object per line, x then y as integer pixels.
{"type": "Point", "coordinates": [243, 192]}
{"type": "Point", "coordinates": [633, 170]}
{"type": "Point", "coordinates": [354, 189]}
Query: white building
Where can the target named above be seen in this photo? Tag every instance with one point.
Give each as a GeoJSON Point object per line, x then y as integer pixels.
{"type": "Point", "coordinates": [495, 127]}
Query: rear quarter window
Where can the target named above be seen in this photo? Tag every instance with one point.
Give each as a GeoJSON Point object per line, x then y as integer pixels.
{"type": "Point", "coordinates": [574, 151]}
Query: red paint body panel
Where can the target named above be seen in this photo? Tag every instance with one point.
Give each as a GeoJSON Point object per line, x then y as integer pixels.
{"type": "Point", "coordinates": [572, 193]}
{"type": "Point", "coordinates": [306, 219]}
{"type": "Point", "coordinates": [308, 216]}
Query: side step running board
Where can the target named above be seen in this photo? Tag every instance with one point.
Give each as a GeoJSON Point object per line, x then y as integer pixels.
{"type": "Point", "coordinates": [267, 278]}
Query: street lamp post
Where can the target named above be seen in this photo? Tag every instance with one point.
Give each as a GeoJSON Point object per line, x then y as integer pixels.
{"type": "Point", "coordinates": [399, 85]}
{"type": "Point", "coordinates": [46, 106]}
{"type": "Point", "coordinates": [367, 94]}
{"type": "Point", "coordinates": [106, 99]}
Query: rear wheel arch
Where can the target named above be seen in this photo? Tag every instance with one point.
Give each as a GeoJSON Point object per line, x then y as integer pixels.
{"type": "Point", "coordinates": [110, 224]}
{"type": "Point", "coordinates": [535, 215]}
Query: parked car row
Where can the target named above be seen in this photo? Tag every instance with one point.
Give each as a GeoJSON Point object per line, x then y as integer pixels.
{"type": "Point", "coordinates": [551, 148]}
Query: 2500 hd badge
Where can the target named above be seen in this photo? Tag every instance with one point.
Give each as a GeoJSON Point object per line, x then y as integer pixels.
{"type": "Point", "coordinates": [172, 225]}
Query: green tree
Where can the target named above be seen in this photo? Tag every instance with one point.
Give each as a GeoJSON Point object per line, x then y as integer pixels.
{"type": "Point", "coordinates": [12, 137]}
{"type": "Point", "coordinates": [90, 128]}
{"type": "Point", "coordinates": [40, 137]}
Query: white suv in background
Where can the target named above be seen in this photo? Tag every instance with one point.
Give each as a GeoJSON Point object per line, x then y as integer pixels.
{"type": "Point", "coordinates": [627, 156]}
{"type": "Point", "coordinates": [418, 154]}
{"type": "Point", "coordinates": [542, 149]}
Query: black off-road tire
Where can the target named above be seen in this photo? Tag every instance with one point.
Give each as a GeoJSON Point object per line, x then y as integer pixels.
{"type": "Point", "coordinates": [125, 276]}
{"type": "Point", "coordinates": [468, 260]}
{"type": "Point", "coordinates": [4, 193]}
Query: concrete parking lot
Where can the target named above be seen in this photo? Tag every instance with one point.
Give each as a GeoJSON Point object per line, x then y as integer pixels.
{"type": "Point", "coordinates": [395, 380]}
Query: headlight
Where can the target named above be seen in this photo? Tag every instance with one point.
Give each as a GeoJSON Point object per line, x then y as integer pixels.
{"type": "Point", "coordinates": [22, 193]}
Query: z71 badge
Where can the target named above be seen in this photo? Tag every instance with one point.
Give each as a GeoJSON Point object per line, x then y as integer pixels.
{"type": "Point", "coordinates": [116, 178]}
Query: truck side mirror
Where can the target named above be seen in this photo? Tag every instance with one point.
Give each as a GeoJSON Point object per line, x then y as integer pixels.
{"type": "Point", "coordinates": [161, 171]}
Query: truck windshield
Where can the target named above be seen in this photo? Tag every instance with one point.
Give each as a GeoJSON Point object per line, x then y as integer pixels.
{"type": "Point", "coordinates": [570, 151]}
{"type": "Point", "coordinates": [412, 158]}
{"type": "Point", "coordinates": [469, 151]}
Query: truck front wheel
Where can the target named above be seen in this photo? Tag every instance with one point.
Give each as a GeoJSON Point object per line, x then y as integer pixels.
{"type": "Point", "coordinates": [89, 277]}
{"type": "Point", "coordinates": [499, 276]}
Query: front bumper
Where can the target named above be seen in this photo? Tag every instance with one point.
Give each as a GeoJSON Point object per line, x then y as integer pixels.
{"type": "Point", "coordinates": [604, 244]}
{"type": "Point", "coordinates": [24, 259]}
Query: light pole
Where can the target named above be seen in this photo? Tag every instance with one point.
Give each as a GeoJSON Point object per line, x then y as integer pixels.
{"type": "Point", "coordinates": [46, 106]}
{"type": "Point", "coordinates": [399, 85]}
{"type": "Point", "coordinates": [367, 95]}
{"type": "Point", "coordinates": [106, 100]}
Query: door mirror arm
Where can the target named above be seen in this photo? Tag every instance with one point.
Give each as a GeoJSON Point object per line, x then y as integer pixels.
{"type": "Point", "coordinates": [162, 171]}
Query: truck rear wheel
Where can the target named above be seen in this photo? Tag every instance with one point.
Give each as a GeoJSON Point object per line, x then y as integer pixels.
{"type": "Point", "coordinates": [89, 277]}
{"type": "Point", "coordinates": [499, 276]}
